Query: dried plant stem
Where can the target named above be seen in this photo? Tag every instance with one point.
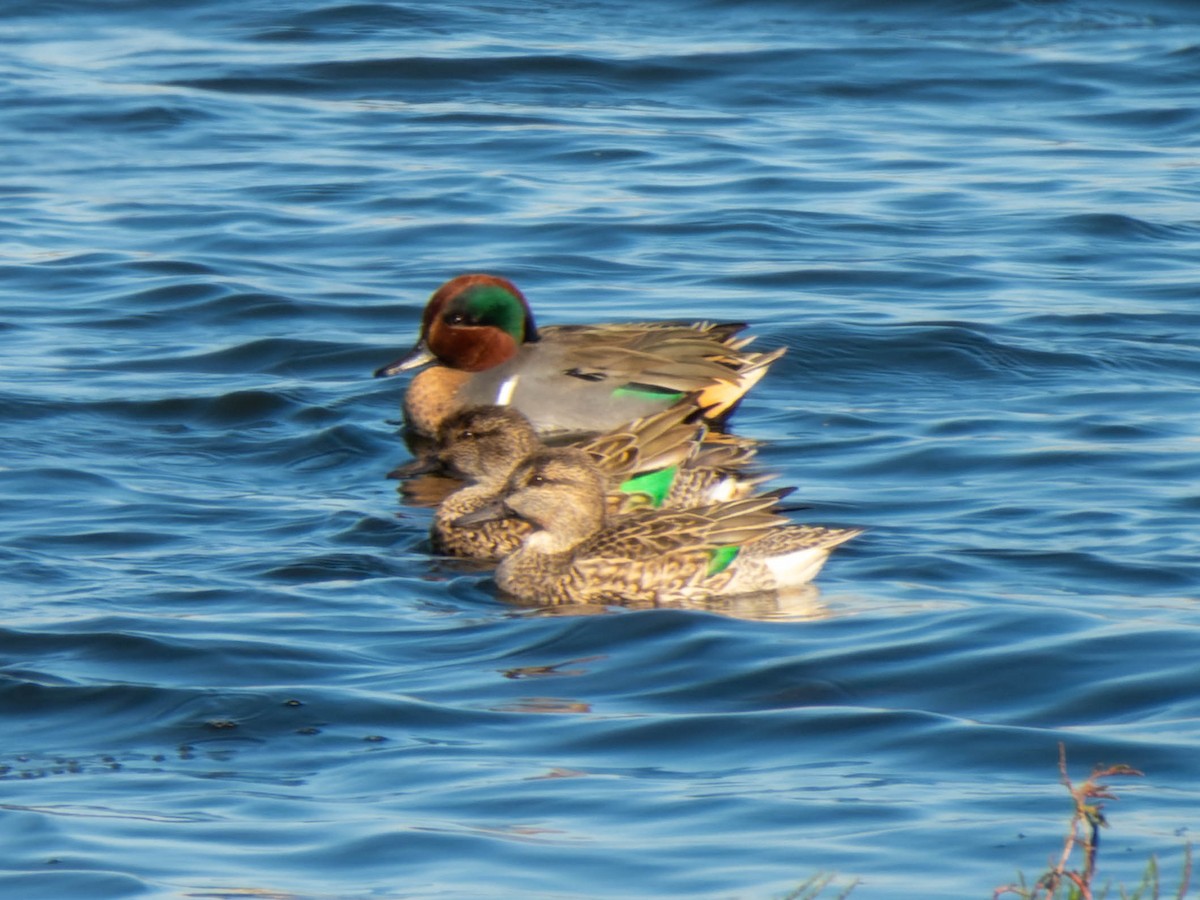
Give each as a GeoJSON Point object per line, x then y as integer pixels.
{"type": "Point", "coordinates": [1186, 880]}
{"type": "Point", "coordinates": [1087, 815]}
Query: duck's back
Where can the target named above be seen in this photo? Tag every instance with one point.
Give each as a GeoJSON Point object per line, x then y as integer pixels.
{"type": "Point", "coordinates": [585, 379]}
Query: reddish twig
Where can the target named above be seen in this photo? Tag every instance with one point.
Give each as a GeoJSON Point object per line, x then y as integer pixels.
{"type": "Point", "coordinates": [1088, 812]}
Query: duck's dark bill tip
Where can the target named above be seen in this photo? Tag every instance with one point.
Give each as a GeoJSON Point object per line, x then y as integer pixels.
{"type": "Point", "coordinates": [414, 359]}
{"type": "Point", "coordinates": [422, 465]}
{"type": "Point", "coordinates": [490, 513]}
{"type": "Point", "coordinates": [394, 368]}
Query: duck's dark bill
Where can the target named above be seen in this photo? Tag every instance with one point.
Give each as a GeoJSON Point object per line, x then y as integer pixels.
{"type": "Point", "coordinates": [414, 359]}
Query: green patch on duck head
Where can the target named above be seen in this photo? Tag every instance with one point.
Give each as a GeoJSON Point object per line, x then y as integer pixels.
{"type": "Point", "coordinates": [653, 485]}
{"type": "Point", "coordinates": [722, 558]}
{"type": "Point", "coordinates": [491, 305]}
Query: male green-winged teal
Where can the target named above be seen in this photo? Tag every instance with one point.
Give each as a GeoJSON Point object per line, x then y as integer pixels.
{"type": "Point", "coordinates": [567, 378]}
{"type": "Point", "coordinates": [575, 553]}
{"type": "Point", "coordinates": [662, 460]}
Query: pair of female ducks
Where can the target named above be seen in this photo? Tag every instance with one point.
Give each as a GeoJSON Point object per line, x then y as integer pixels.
{"type": "Point", "coordinates": [638, 502]}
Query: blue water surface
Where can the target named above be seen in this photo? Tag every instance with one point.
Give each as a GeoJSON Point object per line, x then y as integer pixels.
{"type": "Point", "coordinates": [229, 665]}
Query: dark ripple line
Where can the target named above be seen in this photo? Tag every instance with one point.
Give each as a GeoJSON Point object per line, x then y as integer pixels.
{"type": "Point", "coordinates": [1118, 226]}
{"type": "Point", "coordinates": [257, 355]}
{"type": "Point", "coordinates": [924, 352]}
{"type": "Point", "coordinates": [380, 73]}
{"type": "Point", "coordinates": [342, 20]}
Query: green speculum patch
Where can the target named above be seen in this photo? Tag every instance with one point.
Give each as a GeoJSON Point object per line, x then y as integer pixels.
{"type": "Point", "coordinates": [648, 392]}
{"type": "Point", "coordinates": [653, 485]}
{"type": "Point", "coordinates": [492, 305]}
{"type": "Point", "coordinates": [722, 558]}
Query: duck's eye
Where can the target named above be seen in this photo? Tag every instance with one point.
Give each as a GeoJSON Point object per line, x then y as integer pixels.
{"type": "Point", "coordinates": [538, 479]}
{"type": "Point", "coordinates": [455, 318]}
{"type": "Point", "coordinates": [468, 435]}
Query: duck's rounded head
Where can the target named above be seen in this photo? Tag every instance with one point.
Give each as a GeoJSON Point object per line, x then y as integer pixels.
{"type": "Point", "coordinates": [485, 442]}
{"type": "Point", "coordinates": [471, 323]}
{"type": "Point", "coordinates": [559, 489]}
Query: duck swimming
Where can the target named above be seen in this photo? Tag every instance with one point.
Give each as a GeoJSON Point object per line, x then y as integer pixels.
{"type": "Point", "coordinates": [576, 553]}
{"type": "Point", "coordinates": [574, 379]}
{"type": "Point", "coordinates": [661, 460]}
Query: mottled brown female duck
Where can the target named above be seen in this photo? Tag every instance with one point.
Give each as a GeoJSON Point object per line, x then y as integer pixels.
{"type": "Point", "coordinates": [576, 553]}
{"type": "Point", "coordinates": [661, 460]}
